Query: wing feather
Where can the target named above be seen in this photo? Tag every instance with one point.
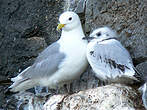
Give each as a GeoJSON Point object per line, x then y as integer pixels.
{"type": "Point", "coordinates": [109, 59]}
{"type": "Point", "coordinates": [45, 65]}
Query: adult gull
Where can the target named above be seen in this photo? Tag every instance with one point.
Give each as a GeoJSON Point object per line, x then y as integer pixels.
{"type": "Point", "coordinates": [61, 62]}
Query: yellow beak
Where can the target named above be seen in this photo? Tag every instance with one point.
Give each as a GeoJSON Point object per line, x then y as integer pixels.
{"type": "Point", "coordinates": [60, 26]}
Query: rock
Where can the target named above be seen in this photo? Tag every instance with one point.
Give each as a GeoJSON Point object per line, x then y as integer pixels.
{"type": "Point", "coordinates": [142, 68]}
{"type": "Point", "coordinates": [25, 50]}
{"type": "Point", "coordinates": [111, 97]}
{"type": "Point", "coordinates": [71, 5]}
{"type": "Point", "coordinates": [20, 20]}
{"type": "Point", "coordinates": [81, 6]}
{"type": "Point", "coordinates": [27, 27]}
{"type": "Point", "coordinates": [137, 46]}
{"type": "Point", "coordinates": [86, 81]}
{"type": "Point", "coordinates": [2, 96]}
{"type": "Point", "coordinates": [54, 102]}
{"type": "Point", "coordinates": [36, 44]}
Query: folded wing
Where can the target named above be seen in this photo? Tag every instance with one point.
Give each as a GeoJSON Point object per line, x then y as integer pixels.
{"type": "Point", "coordinates": [46, 64]}
{"type": "Point", "coordinates": [109, 59]}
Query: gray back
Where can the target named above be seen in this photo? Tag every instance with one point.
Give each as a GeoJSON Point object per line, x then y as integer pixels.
{"type": "Point", "coordinates": [46, 63]}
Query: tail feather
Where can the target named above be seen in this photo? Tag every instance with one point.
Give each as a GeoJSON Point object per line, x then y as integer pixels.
{"type": "Point", "coordinates": [140, 76]}
{"type": "Point", "coordinates": [20, 76]}
{"type": "Point", "coordinates": [22, 82]}
{"type": "Point", "coordinates": [22, 85]}
{"type": "Point", "coordinates": [16, 78]}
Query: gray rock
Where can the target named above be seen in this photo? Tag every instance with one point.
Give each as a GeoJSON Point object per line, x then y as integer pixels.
{"type": "Point", "coordinates": [142, 68]}
{"type": "Point", "coordinates": [111, 97]}
{"type": "Point", "coordinates": [2, 96]}
{"type": "Point", "coordinates": [26, 27]}
{"type": "Point", "coordinates": [19, 20]}
{"type": "Point", "coordinates": [81, 6]}
{"type": "Point", "coordinates": [137, 46]}
{"type": "Point", "coordinates": [71, 5]}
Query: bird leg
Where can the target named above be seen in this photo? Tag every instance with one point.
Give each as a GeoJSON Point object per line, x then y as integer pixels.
{"type": "Point", "coordinates": [68, 88]}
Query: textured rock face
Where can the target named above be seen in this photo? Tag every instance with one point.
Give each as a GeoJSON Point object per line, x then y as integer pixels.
{"type": "Point", "coordinates": [20, 20]}
{"type": "Point", "coordinates": [142, 68]}
{"type": "Point", "coordinates": [28, 26]}
{"type": "Point", "coordinates": [111, 97]}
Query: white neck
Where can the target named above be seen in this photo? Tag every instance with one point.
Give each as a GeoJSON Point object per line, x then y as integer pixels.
{"type": "Point", "coordinates": [72, 40]}
{"type": "Point", "coordinates": [76, 33]}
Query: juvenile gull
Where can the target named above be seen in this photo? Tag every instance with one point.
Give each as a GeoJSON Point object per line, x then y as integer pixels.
{"type": "Point", "coordinates": [61, 62]}
{"type": "Point", "coordinates": [110, 61]}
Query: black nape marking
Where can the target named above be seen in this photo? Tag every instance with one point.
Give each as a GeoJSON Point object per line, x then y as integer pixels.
{"type": "Point", "coordinates": [113, 64]}
{"type": "Point", "coordinates": [107, 39]}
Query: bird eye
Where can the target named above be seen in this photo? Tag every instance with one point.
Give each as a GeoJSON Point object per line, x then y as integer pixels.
{"type": "Point", "coordinates": [98, 34]}
{"type": "Point", "coordinates": [70, 19]}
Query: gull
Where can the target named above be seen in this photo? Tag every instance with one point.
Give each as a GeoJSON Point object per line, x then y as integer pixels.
{"type": "Point", "coordinates": [61, 62]}
{"type": "Point", "coordinates": [109, 60]}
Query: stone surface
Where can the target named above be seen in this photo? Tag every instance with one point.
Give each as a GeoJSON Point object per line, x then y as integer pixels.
{"type": "Point", "coordinates": [20, 20]}
{"type": "Point", "coordinates": [142, 68]}
{"type": "Point", "coordinates": [111, 97]}
{"type": "Point", "coordinates": [28, 26]}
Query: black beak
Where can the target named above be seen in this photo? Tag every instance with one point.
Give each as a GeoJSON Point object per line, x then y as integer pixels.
{"type": "Point", "coordinates": [88, 38]}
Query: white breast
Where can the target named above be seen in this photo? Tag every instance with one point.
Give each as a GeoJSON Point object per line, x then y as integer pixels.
{"type": "Point", "coordinates": [74, 63]}
{"type": "Point", "coordinates": [90, 47]}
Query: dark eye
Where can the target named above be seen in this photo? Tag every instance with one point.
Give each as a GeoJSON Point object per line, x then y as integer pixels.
{"type": "Point", "coordinates": [70, 19]}
{"type": "Point", "coordinates": [98, 34]}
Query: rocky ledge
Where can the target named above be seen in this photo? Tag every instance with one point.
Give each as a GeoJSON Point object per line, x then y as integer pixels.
{"type": "Point", "coordinates": [27, 27]}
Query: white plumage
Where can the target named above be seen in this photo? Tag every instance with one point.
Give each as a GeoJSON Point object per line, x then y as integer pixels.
{"type": "Point", "coordinates": [108, 58]}
{"type": "Point", "coordinates": [61, 62]}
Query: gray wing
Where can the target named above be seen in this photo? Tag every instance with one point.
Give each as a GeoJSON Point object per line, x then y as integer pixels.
{"type": "Point", "coordinates": [50, 50]}
{"type": "Point", "coordinates": [46, 63]}
{"type": "Point", "coordinates": [110, 59]}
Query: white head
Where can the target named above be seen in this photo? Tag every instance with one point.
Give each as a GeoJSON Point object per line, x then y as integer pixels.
{"type": "Point", "coordinates": [103, 33]}
{"type": "Point", "coordinates": [68, 21]}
